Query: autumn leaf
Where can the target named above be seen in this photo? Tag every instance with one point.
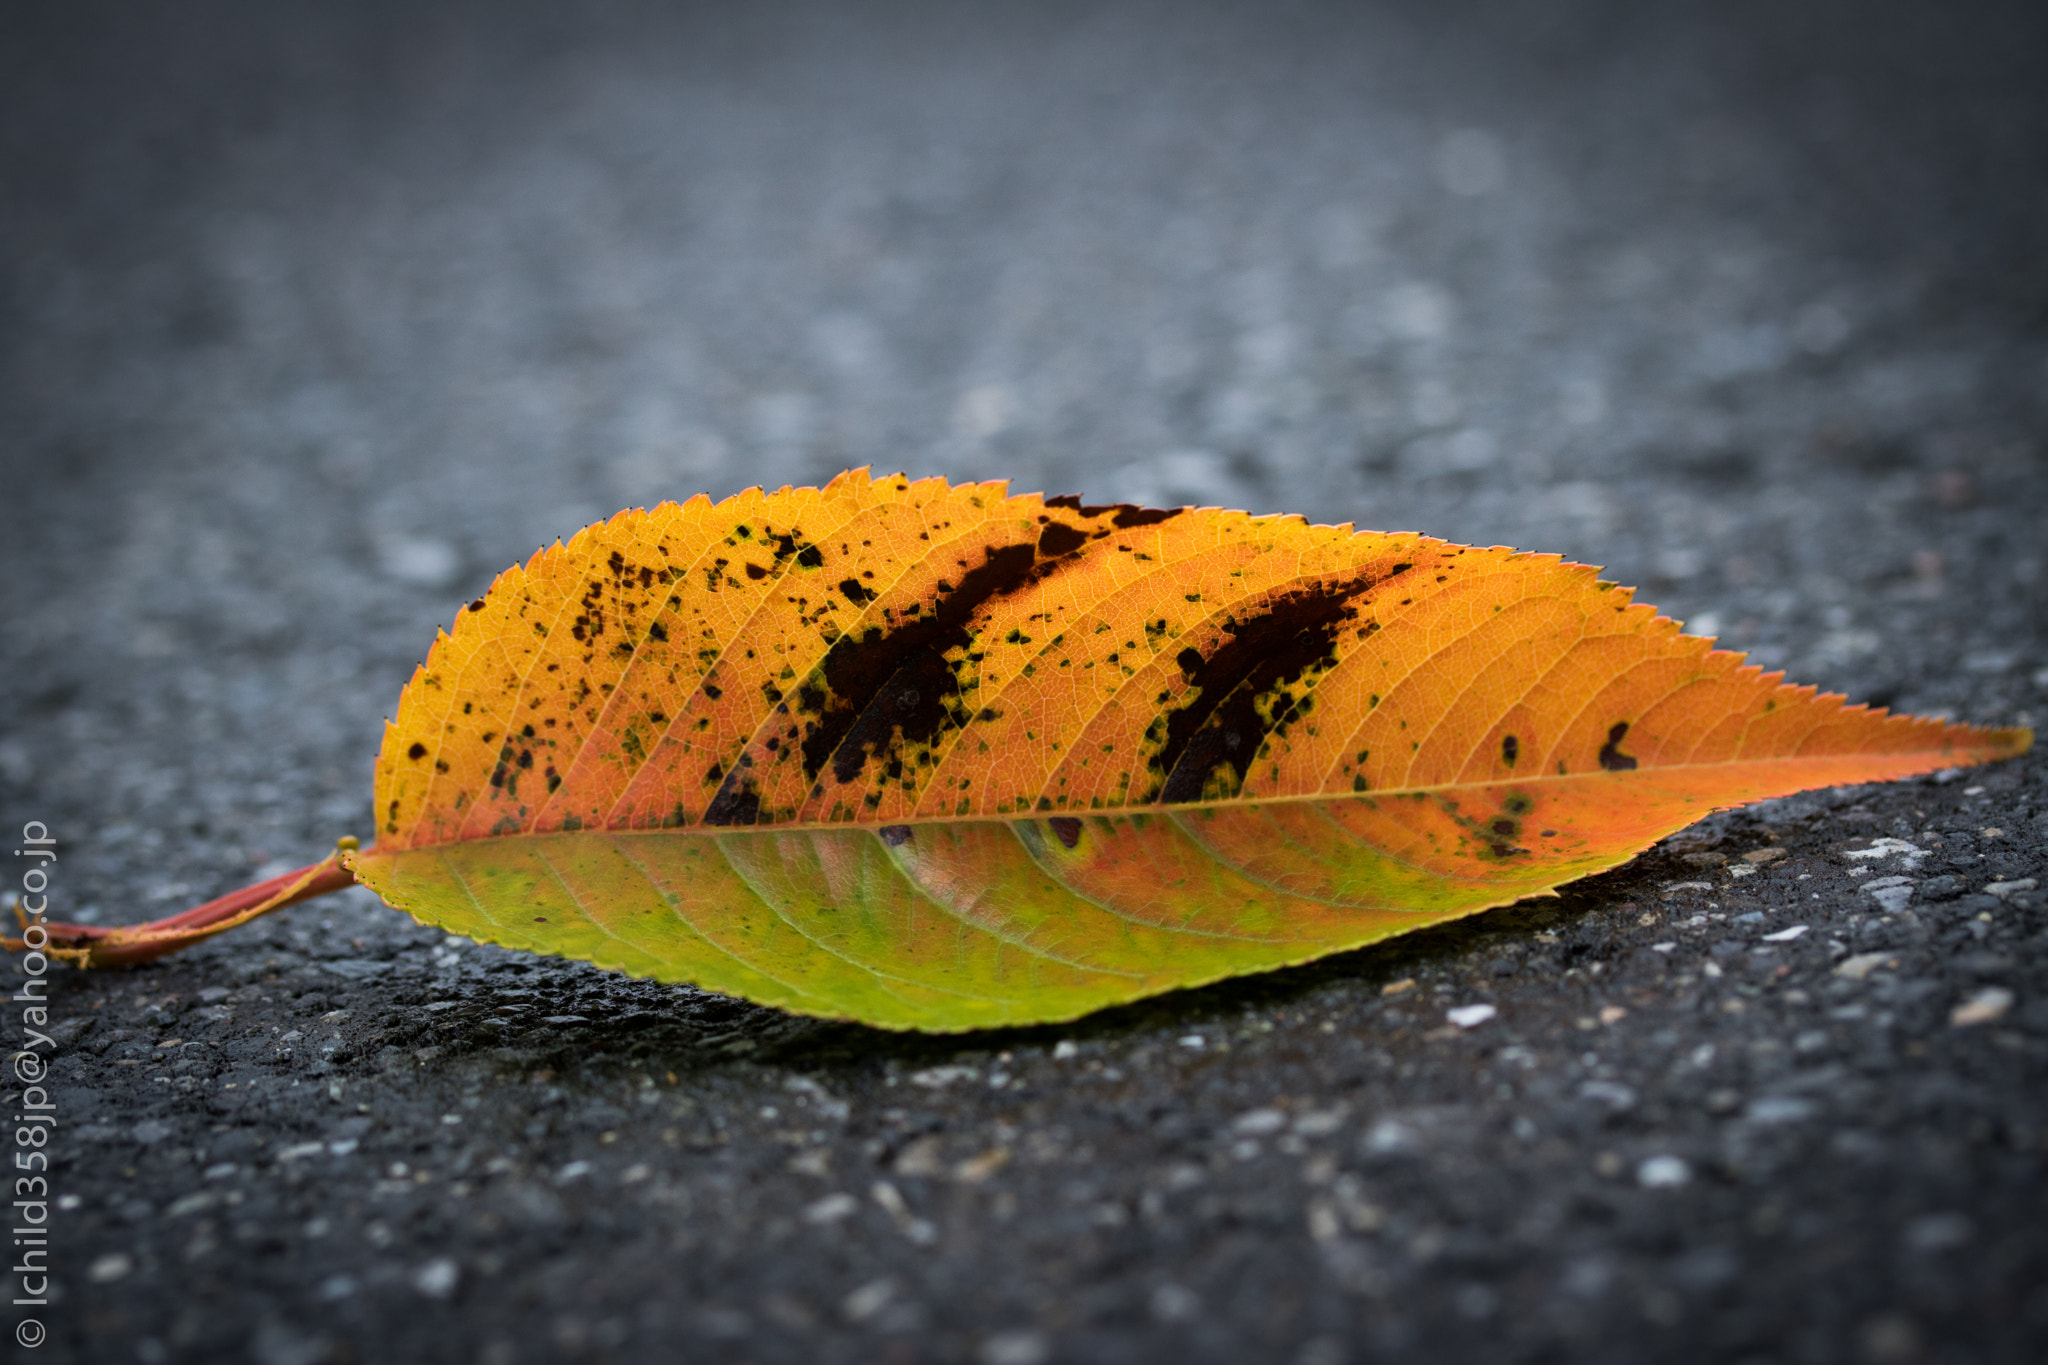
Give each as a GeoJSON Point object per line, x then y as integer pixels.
{"type": "Point", "coordinates": [934, 757]}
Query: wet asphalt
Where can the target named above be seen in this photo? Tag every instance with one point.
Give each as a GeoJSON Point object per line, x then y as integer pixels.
{"type": "Point", "coordinates": [313, 318]}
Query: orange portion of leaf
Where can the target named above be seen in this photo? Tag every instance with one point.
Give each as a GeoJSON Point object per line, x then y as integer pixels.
{"type": "Point", "coordinates": [936, 757]}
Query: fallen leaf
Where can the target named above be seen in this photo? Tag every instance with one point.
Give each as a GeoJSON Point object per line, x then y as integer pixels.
{"type": "Point", "coordinates": [930, 756]}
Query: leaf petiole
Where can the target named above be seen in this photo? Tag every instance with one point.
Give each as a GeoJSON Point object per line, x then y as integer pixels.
{"type": "Point", "coordinates": [92, 945]}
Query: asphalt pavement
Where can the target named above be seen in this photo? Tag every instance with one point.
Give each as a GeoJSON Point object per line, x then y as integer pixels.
{"type": "Point", "coordinates": [313, 318]}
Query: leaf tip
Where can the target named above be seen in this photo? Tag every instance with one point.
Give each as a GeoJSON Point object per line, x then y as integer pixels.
{"type": "Point", "coordinates": [2009, 741]}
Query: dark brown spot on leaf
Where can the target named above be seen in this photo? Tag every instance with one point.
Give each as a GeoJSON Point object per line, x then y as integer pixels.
{"type": "Point", "coordinates": [1611, 756]}
{"type": "Point", "coordinates": [1240, 692]}
{"type": "Point", "coordinates": [889, 682]}
{"type": "Point", "coordinates": [738, 801]}
{"type": "Point", "coordinates": [1125, 514]}
{"type": "Point", "coordinates": [1060, 539]}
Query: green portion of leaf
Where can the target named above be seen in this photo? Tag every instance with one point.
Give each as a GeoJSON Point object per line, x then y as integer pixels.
{"type": "Point", "coordinates": [939, 927]}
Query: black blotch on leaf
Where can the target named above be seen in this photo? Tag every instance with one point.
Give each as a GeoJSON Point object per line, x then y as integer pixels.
{"type": "Point", "coordinates": [918, 702]}
{"type": "Point", "coordinates": [418, 750]}
{"type": "Point", "coordinates": [885, 680]}
{"type": "Point", "coordinates": [1060, 539]}
{"type": "Point", "coordinates": [738, 801]}
{"type": "Point", "coordinates": [1066, 829]}
{"type": "Point", "coordinates": [1239, 694]}
{"type": "Point", "coordinates": [1508, 750]}
{"type": "Point", "coordinates": [1126, 514]}
{"type": "Point", "coordinates": [1611, 756]}
{"type": "Point", "coordinates": [894, 835]}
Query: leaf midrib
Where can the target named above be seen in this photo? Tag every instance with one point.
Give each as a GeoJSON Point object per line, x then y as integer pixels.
{"type": "Point", "coordinates": [1952, 756]}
